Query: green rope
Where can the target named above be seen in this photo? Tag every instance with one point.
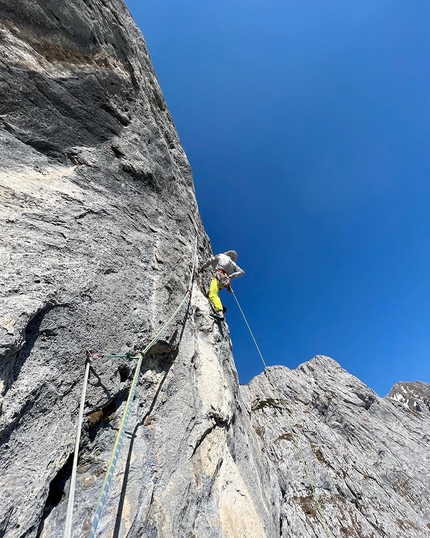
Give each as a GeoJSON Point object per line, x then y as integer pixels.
{"type": "Point", "coordinates": [124, 420]}
{"type": "Point", "coordinates": [129, 356]}
{"type": "Point", "coordinates": [294, 437]}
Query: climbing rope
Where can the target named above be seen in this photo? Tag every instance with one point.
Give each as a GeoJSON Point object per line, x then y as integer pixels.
{"type": "Point", "coordinates": [294, 437]}
{"type": "Point", "coordinates": [118, 441]}
{"type": "Point", "coordinates": [124, 420]}
{"type": "Point", "coordinates": [69, 516]}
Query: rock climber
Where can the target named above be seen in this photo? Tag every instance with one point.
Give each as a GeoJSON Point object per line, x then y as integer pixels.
{"type": "Point", "coordinates": [226, 268]}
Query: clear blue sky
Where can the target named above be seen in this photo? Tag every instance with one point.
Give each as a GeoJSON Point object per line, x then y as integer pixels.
{"type": "Point", "coordinates": [307, 126]}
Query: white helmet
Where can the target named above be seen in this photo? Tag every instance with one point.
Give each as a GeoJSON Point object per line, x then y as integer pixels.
{"type": "Point", "coordinates": [232, 254]}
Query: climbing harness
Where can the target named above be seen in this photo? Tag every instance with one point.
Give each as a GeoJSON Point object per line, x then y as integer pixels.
{"type": "Point", "coordinates": [293, 435]}
{"type": "Point", "coordinates": [222, 278]}
{"type": "Point", "coordinates": [140, 355]}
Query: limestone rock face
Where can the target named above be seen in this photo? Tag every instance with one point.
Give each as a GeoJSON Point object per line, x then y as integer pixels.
{"type": "Point", "coordinates": [98, 223]}
{"type": "Point", "coordinates": [414, 396]}
{"type": "Point", "coordinates": [368, 458]}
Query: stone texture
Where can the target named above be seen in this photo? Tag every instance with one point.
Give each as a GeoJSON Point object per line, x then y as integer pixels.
{"type": "Point", "coordinates": [368, 457]}
{"type": "Point", "coordinates": [414, 396]}
{"type": "Point", "coordinates": [98, 219]}
{"type": "Point", "coordinates": [98, 222]}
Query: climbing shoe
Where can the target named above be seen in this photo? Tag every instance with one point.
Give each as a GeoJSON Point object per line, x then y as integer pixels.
{"type": "Point", "coordinates": [217, 316]}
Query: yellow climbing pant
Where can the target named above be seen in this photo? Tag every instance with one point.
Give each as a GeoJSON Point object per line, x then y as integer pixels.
{"type": "Point", "coordinates": [213, 294]}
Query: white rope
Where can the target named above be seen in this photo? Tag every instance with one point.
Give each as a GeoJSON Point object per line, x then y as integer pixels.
{"type": "Point", "coordinates": [69, 516]}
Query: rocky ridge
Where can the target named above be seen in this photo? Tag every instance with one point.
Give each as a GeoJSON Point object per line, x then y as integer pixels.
{"type": "Point", "coordinates": [99, 217]}
{"type": "Point", "coordinates": [369, 458]}
{"type": "Point", "coordinates": [414, 396]}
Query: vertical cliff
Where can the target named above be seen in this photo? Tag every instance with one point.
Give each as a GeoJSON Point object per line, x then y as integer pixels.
{"type": "Point", "coordinates": [98, 222]}
{"type": "Point", "coordinates": [98, 218]}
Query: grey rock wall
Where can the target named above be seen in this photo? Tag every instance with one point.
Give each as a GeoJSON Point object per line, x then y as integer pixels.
{"type": "Point", "coordinates": [98, 219]}
{"type": "Point", "coordinates": [368, 457]}
{"type": "Point", "coordinates": [413, 396]}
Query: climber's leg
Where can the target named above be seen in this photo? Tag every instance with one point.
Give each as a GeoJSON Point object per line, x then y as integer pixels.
{"type": "Point", "coordinates": [214, 297]}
